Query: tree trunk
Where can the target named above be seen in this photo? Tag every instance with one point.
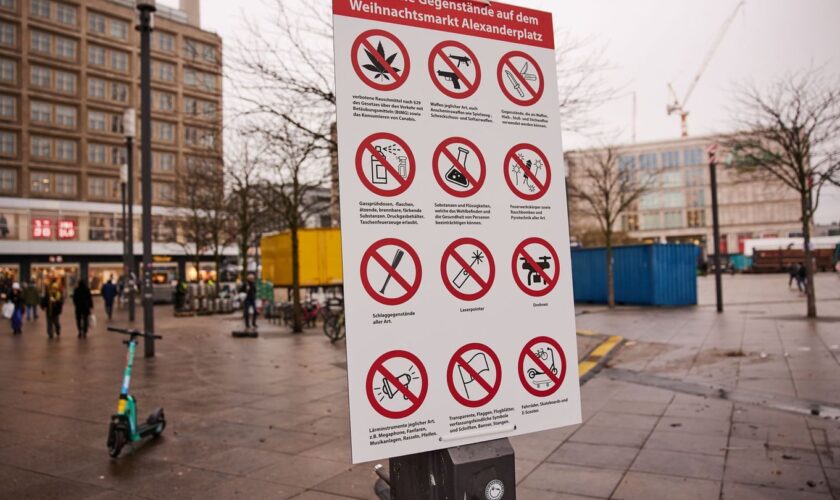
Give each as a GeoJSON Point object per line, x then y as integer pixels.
{"type": "Point", "coordinates": [610, 272]}
{"type": "Point", "coordinates": [297, 323]}
{"type": "Point", "coordinates": [809, 260]}
{"type": "Point", "coordinates": [218, 258]}
{"type": "Point", "coordinates": [243, 251]}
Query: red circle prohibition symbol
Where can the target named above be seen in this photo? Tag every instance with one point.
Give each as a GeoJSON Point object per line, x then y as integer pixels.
{"type": "Point", "coordinates": [546, 369]}
{"type": "Point", "coordinates": [395, 383]}
{"type": "Point", "coordinates": [513, 159]}
{"type": "Point", "coordinates": [467, 272]}
{"type": "Point", "coordinates": [390, 267]}
{"type": "Point", "coordinates": [440, 81]}
{"type": "Point", "coordinates": [523, 93]}
{"type": "Point", "coordinates": [466, 370]}
{"type": "Point", "coordinates": [366, 170]}
{"type": "Point", "coordinates": [444, 154]}
{"type": "Point", "coordinates": [379, 61]}
{"type": "Point", "coordinates": [523, 261]}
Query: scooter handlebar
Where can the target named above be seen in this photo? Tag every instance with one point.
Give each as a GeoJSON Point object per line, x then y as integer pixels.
{"type": "Point", "coordinates": [132, 332]}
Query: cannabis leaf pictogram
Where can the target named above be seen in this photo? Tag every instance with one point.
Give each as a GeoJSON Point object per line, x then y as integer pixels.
{"type": "Point", "coordinates": [377, 67]}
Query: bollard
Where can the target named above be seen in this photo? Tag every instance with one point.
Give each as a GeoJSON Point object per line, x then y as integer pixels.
{"type": "Point", "coordinates": [481, 471]}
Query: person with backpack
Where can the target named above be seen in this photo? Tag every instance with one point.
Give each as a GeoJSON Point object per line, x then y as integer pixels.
{"type": "Point", "coordinates": [83, 301]}
{"type": "Point", "coordinates": [53, 303]}
{"type": "Point", "coordinates": [109, 293]}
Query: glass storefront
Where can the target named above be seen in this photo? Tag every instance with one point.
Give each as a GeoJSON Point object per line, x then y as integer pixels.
{"type": "Point", "coordinates": [98, 274]}
{"type": "Point", "coordinates": [67, 275]}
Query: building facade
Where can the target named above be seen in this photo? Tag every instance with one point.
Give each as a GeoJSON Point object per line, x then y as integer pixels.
{"type": "Point", "coordinates": [677, 207]}
{"type": "Point", "coordinates": [68, 70]}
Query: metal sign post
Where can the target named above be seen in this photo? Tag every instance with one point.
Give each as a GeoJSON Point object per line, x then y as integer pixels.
{"type": "Point", "coordinates": [712, 151]}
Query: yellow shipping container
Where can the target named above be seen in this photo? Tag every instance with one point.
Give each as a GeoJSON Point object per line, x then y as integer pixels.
{"type": "Point", "coordinates": [320, 257]}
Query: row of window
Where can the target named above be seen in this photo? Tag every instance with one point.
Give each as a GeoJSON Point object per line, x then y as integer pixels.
{"type": "Point", "coordinates": [101, 227]}
{"type": "Point", "coordinates": [115, 60]}
{"type": "Point", "coordinates": [666, 159]}
{"type": "Point", "coordinates": [668, 219]}
{"type": "Point", "coordinates": [102, 24]}
{"type": "Point", "coordinates": [58, 12]}
{"type": "Point", "coordinates": [66, 185]}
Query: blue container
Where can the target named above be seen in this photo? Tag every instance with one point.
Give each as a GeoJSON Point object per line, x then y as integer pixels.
{"type": "Point", "coordinates": [740, 262]}
{"type": "Point", "coordinates": [653, 275]}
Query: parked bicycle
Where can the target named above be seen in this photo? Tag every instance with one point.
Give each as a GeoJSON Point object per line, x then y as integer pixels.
{"type": "Point", "coordinates": [334, 327]}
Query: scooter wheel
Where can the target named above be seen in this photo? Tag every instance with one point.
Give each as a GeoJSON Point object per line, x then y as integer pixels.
{"type": "Point", "coordinates": [159, 430]}
{"type": "Point", "coordinates": [116, 442]}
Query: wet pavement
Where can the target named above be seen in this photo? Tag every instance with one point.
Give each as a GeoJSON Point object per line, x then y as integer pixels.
{"type": "Point", "coordinates": [267, 417]}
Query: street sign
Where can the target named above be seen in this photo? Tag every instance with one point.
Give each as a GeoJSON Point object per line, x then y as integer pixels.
{"type": "Point", "coordinates": [454, 226]}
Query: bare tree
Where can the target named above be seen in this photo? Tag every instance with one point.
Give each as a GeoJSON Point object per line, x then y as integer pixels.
{"type": "Point", "coordinates": [603, 191]}
{"type": "Point", "coordinates": [289, 195]}
{"type": "Point", "coordinates": [792, 134]}
{"type": "Point", "coordinates": [193, 199]}
{"type": "Point", "coordinates": [244, 202]}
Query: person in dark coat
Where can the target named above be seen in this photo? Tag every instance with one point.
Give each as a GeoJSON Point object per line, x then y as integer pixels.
{"type": "Point", "coordinates": [802, 277]}
{"type": "Point", "coordinates": [83, 301]}
{"type": "Point", "coordinates": [16, 298]}
{"type": "Point", "coordinates": [53, 304]}
{"type": "Point", "coordinates": [249, 288]}
{"type": "Point", "coordinates": [31, 297]}
{"type": "Point", "coordinates": [109, 293]}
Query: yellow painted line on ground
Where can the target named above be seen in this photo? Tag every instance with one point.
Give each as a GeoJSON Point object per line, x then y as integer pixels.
{"type": "Point", "coordinates": [599, 353]}
{"type": "Point", "coordinates": [588, 333]}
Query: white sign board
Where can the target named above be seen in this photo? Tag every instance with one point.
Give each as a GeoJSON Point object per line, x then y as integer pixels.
{"type": "Point", "coordinates": [457, 273]}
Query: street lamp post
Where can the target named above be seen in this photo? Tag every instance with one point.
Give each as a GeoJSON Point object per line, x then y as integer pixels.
{"type": "Point", "coordinates": [146, 9]}
{"type": "Point", "coordinates": [712, 152]}
{"type": "Point", "coordinates": [129, 127]}
{"type": "Point", "coordinates": [123, 182]}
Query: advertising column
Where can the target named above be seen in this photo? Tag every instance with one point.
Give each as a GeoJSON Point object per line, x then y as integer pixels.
{"type": "Point", "coordinates": [457, 273]}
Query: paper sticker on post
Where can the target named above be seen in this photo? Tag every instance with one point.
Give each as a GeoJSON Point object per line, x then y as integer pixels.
{"type": "Point", "coordinates": [520, 78]}
{"type": "Point", "coordinates": [391, 271]}
{"type": "Point", "coordinates": [380, 60]}
{"type": "Point", "coordinates": [459, 167]}
{"type": "Point", "coordinates": [454, 69]}
{"type": "Point", "coordinates": [385, 164]}
{"type": "Point", "coordinates": [467, 269]}
{"type": "Point", "coordinates": [397, 384]}
{"type": "Point", "coordinates": [474, 375]}
{"type": "Point", "coordinates": [527, 172]}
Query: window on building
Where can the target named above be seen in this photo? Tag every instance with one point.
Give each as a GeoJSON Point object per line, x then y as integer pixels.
{"type": "Point", "coordinates": [647, 160]}
{"type": "Point", "coordinates": [104, 227]}
{"type": "Point", "coordinates": [651, 221]}
{"type": "Point", "coordinates": [40, 183]}
{"type": "Point", "coordinates": [209, 81]}
{"type": "Point", "coordinates": [65, 48]}
{"type": "Point", "coordinates": [166, 71]}
{"type": "Point", "coordinates": [164, 162]}
{"type": "Point", "coordinates": [65, 14]}
{"type": "Point", "coordinates": [8, 70]}
{"type": "Point", "coordinates": [118, 155]}
{"type": "Point", "coordinates": [96, 120]}
{"type": "Point", "coordinates": [103, 188]}
{"type": "Point", "coordinates": [629, 222]}
{"type": "Point", "coordinates": [119, 61]}
{"type": "Point", "coordinates": [39, 76]}
{"type": "Point", "coordinates": [209, 53]}
{"type": "Point", "coordinates": [673, 219]}
{"type": "Point", "coordinates": [119, 29]}
{"type": "Point", "coordinates": [208, 109]}
{"type": "Point", "coordinates": [190, 106]}
{"type": "Point", "coordinates": [65, 184]}
{"type": "Point", "coordinates": [40, 42]}
{"type": "Point", "coordinates": [164, 230]}
{"type": "Point", "coordinates": [96, 22]}
{"type": "Point", "coordinates": [65, 150]}
{"type": "Point", "coordinates": [41, 147]}
{"type": "Point", "coordinates": [119, 92]}
{"type": "Point", "coordinates": [695, 176]}
{"type": "Point", "coordinates": [65, 116]}
{"type": "Point", "coordinates": [8, 34]}
{"type": "Point", "coordinates": [117, 124]}
{"type": "Point", "coordinates": [165, 131]}
{"type": "Point", "coordinates": [696, 198]}
{"type": "Point", "coordinates": [670, 159]}
{"type": "Point", "coordinates": [96, 55]}
{"type": "Point", "coordinates": [190, 49]}
{"type": "Point", "coordinates": [163, 192]}
{"type": "Point", "coordinates": [164, 101]}
{"type": "Point", "coordinates": [40, 8]}
{"type": "Point", "coordinates": [190, 77]}
{"type": "Point", "coordinates": [96, 88]}
{"type": "Point", "coordinates": [40, 112]}
{"type": "Point", "coordinates": [8, 143]}
{"type": "Point", "coordinates": [65, 82]}
{"type": "Point", "coordinates": [693, 156]}
{"type": "Point", "coordinates": [96, 153]}
{"type": "Point", "coordinates": [696, 218]}
{"type": "Point", "coordinates": [670, 179]}
{"type": "Point", "coordinates": [8, 180]}
{"type": "Point", "coordinates": [165, 41]}
{"type": "Point", "coordinates": [8, 107]}
{"type": "Point", "coordinates": [8, 4]}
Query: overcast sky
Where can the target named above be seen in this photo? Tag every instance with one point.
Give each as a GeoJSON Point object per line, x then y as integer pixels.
{"type": "Point", "coordinates": [650, 43]}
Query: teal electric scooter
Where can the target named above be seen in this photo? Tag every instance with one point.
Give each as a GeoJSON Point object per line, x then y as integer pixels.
{"type": "Point", "coordinates": [123, 428]}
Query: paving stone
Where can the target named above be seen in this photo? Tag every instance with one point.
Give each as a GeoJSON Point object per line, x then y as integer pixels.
{"type": "Point", "coordinates": [236, 461]}
{"type": "Point", "coordinates": [636, 407]}
{"type": "Point", "coordinates": [594, 455]}
{"type": "Point", "coordinates": [300, 471]}
{"type": "Point", "coordinates": [737, 491]}
{"type": "Point", "coordinates": [20, 484]}
{"type": "Point", "coordinates": [357, 482]}
{"type": "Point", "coordinates": [319, 495]}
{"type": "Point", "coordinates": [701, 426]}
{"type": "Point", "coordinates": [610, 436]}
{"type": "Point", "coordinates": [681, 464]}
{"type": "Point", "coordinates": [645, 486]}
{"type": "Point", "coordinates": [533, 494]}
{"type": "Point", "coordinates": [690, 443]}
{"type": "Point", "coordinates": [245, 488]}
{"type": "Point", "coordinates": [623, 421]}
{"type": "Point", "coordinates": [781, 475]}
{"type": "Point", "coordinates": [752, 449]}
{"type": "Point", "coordinates": [576, 480]}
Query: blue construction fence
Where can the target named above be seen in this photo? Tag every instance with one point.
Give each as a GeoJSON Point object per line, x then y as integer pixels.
{"type": "Point", "coordinates": [652, 275]}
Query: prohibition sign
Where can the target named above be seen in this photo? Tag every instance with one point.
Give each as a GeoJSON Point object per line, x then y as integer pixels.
{"type": "Point", "coordinates": [451, 73]}
{"type": "Point", "coordinates": [543, 369]}
{"type": "Point", "coordinates": [523, 166]}
{"type": "Point", "coordinates": [374, 167]}
{"type": "Point", "coordinates": [449, 164]}
{"type": "Point", "coordinates": [537, 282]}
{"type": "Point", "coordinates": [393, 395]}
{"type": "Point", "coordinates": [466, 276]}
{"type": "Point", "coordinates": [376, 65]}
{"type": "Point", "coordinates": [476, 369]}
{"type": "Point", "coordinates": [394, 272]}
{"type": "Point", "coordinates": [516, 82]}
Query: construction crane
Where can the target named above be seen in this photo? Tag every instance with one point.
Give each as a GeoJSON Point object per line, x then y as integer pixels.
{"type": "Point", "coordinates": [679, 105]}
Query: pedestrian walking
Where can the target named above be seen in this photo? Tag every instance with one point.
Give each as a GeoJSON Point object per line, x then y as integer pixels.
{"type": "Point", "coordinates": [83, 301]}
{"type": "Point", "coordinates": [109, 292]}
{"type": "Point", "coordinates": [53, 302]}
{"type": "Point", "coordinates": [31, 297]}
{"type": "Point", "coordinates": [16, 299]}
{"type": "Point", "coordinates": [802, 277]}
{"type": "Point", "coordinates": [793, 274]}
{"type": "Point", "coordinates": [249, 304]}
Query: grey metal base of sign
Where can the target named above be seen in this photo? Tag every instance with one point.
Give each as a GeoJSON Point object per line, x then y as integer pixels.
{"type": "Point", "coordinates": [481, 471]}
